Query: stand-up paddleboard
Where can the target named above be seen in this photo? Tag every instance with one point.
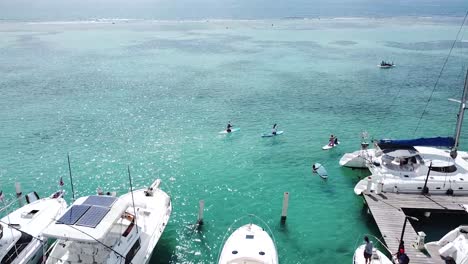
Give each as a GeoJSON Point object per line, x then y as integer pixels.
{"type": "Point", "coordinates": [328, 146]}
{"type": "Point", "coordinates": [232, 130]}
{"type": "Point", "coordinates": [271, 134]}
{"type": "Point", "coordinates": [320, 170]}
{"type": "Point", "coordinates": [386, 66]}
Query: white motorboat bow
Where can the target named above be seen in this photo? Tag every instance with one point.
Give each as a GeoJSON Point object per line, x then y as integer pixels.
{"type": "Point", "coordinates": [249, 244]}
{"type": "Point", "coordinates": [106, 229]}
{"type": "Point", "coordinates": [21, 239]}
{"type": "Point", "coordinates": [452, 247]}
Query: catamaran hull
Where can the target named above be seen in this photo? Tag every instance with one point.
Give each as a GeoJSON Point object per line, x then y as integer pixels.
{"type": "Point", "coordinates": [357, 159]}
{"type": "Point", "coordinates": [413, 186]}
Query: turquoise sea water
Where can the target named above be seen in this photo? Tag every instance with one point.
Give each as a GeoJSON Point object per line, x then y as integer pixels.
{"type": "Point", "coordinates": [154, 95]}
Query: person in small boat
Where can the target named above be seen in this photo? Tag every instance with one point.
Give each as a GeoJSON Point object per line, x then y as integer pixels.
{"type": "Point", "coordinates": [368, 250]}
{"type": "Point", "coordinates": [273, 130]}
{"type": "Point", "coordinates": [331, 142]}
{"type": "Point", "coordinates": [336, 141]}
{"type": "Point", "coordinates": [314, 169]}
{"type": "Point", "coordinates": [229, 127]}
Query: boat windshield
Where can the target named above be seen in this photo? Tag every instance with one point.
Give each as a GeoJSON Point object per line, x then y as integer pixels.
{"type": "Point", "coordinates": [446, 169]}
{"type": "Point", "coordinates": [402, 163]}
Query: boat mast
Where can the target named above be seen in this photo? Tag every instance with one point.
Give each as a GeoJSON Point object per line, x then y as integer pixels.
{"type": "Point", "coordinates": [71, 178]}
{"type": "Point", "coordinates": [460, 115]}
{"type": "Point", "coordinates": [133, 200]}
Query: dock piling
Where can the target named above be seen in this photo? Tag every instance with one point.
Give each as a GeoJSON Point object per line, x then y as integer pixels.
{"type": "Point", "coordinates": [284, 211]}
{"type": "Point", "coordinates": [421, 240]}
{"type": "Point", "coordinates": [200, 212]}
{"type": "Point", "coordinates": [369, 184]}
{"type": "Point", "coordinates": [18, 193]}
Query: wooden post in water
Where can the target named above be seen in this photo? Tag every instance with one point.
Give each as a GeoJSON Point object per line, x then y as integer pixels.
{"type": "Point", "coordinates": [284, 211]}
{"type": "Point", "coordinates": [18, 193]}
{"type": "Point", "coordinates": [200, 212]}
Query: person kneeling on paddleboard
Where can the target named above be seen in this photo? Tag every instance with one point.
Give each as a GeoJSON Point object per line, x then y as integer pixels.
{"type": "Point", "coordinates": [273, 130]}
{"type": "Point", "coordinates": [229, 126]}
{"type": "Point", "coordinates": [332, 141]}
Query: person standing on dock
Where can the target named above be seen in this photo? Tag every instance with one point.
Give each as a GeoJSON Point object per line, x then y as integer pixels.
{"type": "Point", "coordinates": [403, 258]}
{"type": "Point", "coordinates": [368, 250]}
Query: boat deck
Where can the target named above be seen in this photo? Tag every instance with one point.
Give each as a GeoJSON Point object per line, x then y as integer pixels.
{"type": "Point", "coordinates": [387, 210]}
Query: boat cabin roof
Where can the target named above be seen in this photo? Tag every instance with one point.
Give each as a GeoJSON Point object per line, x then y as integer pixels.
{"type": "Point", "coordinates": [88, 219]}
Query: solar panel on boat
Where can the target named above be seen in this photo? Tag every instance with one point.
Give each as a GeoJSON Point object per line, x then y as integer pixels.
{"type": "Point", "coordinates": [93, 216]}
{"type": "Point", "coordinates": [100, 200]}
{"type": "Point", "coordinates": [73, 214]}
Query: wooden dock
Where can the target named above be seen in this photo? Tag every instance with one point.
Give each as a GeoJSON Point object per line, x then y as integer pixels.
{"type": "Point", "coordinates": [387, 210]}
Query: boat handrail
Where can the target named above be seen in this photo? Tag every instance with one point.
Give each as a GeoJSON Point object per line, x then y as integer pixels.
{"type": "Point", "coordinates": [8, 205]}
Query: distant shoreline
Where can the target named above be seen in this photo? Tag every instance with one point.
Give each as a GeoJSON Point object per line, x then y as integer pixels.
{"type": "Point", "coordinates": [221, 20]}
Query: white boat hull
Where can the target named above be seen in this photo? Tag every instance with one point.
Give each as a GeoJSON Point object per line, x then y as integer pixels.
{"type": "Point", "coordinates": [454, 245]}
{"type": "Point", "coordinates": [357, 159]}
{"type": "Point", "coordinates": [391, 176]}
{"type": "Point", "coordinates": [33, 224]}
{"type": "Point", "coordinates": [249, 244]}
{"type": "Point", "coordinates": [131, 227]}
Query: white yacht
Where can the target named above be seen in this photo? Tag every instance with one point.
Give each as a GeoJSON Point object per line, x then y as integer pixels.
{"type": "Point", "coordinates": [453, 247]}
{"type": "Point", "coordinates": [405, 170]}
{"type": "Point", "coordinates": [420, 165]}
{"type": "Point", "coordinates": [249, 244]}
{"type": "Point", "coordinates": [377, 256]}
{"type": "Point", "coordinates": [21, 239]}
{"type": "Point", "coordinates": [106, 229]}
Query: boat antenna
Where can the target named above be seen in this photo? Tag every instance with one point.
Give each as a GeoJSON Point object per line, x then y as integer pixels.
{"type": "Point", "coordinates": [440, 73]}
{"type": "Point", "coordinates": [460, 115]}
{"type": "Point", "coordinates": [133, 200]}
{"type": "Point", "coordinates": [71, 178]}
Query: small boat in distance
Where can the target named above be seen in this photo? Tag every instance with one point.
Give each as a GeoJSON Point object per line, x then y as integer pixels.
{"type": "Point", "coordinates": [386, 65]}
{"type": "Point", "coordinates": [249, 244]}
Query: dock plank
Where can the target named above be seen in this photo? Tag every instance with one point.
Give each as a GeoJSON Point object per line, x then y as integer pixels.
{"type": "Point", "coordinates": [387, 210]}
